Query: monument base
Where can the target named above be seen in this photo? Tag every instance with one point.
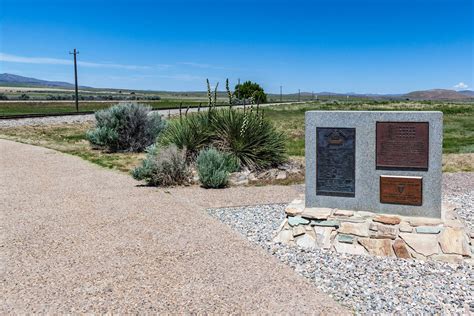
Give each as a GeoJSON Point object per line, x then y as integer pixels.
{"type": "Point", "coordinates": [366, 233]}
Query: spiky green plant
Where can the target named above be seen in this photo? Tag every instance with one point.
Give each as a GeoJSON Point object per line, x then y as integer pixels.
{"type": "Point", "coordinates": [249, 137]}
{"type": "Point", "coordinates": [191, 133]}
{"type": "Point", "coordinates": [229, 94]}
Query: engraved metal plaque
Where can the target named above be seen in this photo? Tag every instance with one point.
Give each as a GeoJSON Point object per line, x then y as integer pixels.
{"type": "Point", "coordinates": [335, 161]}
{"type": "Point", "coordinates": [401, 190]}
{"type": "Point", "coordinates": [402, 145]}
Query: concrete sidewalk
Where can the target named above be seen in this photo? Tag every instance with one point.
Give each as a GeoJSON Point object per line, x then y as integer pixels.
{"type": "Point", "coordinates": [79, 238]}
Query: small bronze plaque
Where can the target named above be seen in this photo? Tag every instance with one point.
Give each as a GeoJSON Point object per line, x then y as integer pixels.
{"type": "Point", "coordinates": [402, 145]}
{"type": "Point", "coordinates": [335, 161]}
{"type": "Point", "coordinates": [401, 190]}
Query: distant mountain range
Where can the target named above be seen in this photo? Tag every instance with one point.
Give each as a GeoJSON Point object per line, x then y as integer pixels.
{"type": "Point", "coordinates": [20, 81]}
{"type": "Point", "coordinates": [434, 94]}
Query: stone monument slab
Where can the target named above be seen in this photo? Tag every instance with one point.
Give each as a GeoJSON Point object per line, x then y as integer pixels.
{"type": "Point", "coordinates": [353, 159]}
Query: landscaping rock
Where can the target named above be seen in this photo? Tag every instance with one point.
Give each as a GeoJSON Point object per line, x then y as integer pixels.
{"type": "Point", "coordinates": [323, 236]}
{"type": "Point", "coordinates": [424, 221]}
{"type": "Point", "coordinates": [306, 242]}
{"type": "Point", "coordinates": [357, 229]}
{"type": "Point", "coordinates": [454, 241]}
{"type": "Point", "coordinates": [346, 213]}
{"type": "Point", "coordinates": [428, 229]}
{"type": "Point", "coordinates": [316, 213]}
{"type": "Point", "coordinates": [298, 230]}
{"type": "Point", "coordinates": [384, 231]}
{"type": "Point", "coordinates": [285, 236]}
{"type": "Point", "coordinates": [329, 223]}
{"type": "Point", "coordinates": [348, 239]}
{"type": "Point", "coordinates": [295, 208]}
{"type": "Point", "coordinates": [400, 249]}
{"type": "Point", "coordinates": [377, 247]}
{"type": "Point", "coordinates": [404, 227]}
{"type": "Point", "coordinates": [282, 175]}
{"type": "Point", "coordinates": [426, 244]}
{"type": "Point", "coordinates": [297, 220]}
{"type": "Point", "coordinates": [452, 259]}
{"type": "Point", "coordinates": [390, 220]}
{"type": "Point", "coordinates": [353, 249]}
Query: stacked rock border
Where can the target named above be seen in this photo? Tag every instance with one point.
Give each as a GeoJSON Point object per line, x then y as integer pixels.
{"type": "Point", "coordinates": [366, 233]}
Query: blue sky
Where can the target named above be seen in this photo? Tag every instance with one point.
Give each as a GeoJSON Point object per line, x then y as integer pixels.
{"type": "Point", "coordinates": [377, 46]}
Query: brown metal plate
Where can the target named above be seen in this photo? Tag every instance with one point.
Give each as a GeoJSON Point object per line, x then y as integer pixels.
{"type": "Point", "coordinates": [402, 145]}
{"type": "Point", "coordinates": [401, 190]}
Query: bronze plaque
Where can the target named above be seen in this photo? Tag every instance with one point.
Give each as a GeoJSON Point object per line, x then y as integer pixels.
{"type": "Point", "coordinates": [335, 161]}
{"type": "Point", "coordinates": [402, 145]}
{"type": "Point", "coordinates": [401, 190]}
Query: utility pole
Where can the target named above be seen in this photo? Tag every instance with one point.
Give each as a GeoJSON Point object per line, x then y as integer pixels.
{"type": "Point", "coordinates": [238, 90]}
{"type": "Point", "coordinates": [75, 78]}
{"type": "Point", "coordinates": [299, 95]}
{"type": "Point", "coordinates": [281, 95]}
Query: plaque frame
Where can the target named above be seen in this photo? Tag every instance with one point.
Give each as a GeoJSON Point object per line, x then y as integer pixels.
{"type": "Point", "coordinates": [401, 167]}
{"type": "Point", "coordinates": [410, 178]}
{"type": "Point", "coordinates": [353, 175]}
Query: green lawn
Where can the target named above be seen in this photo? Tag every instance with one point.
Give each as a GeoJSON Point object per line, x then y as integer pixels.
{"type": "Point", "coordinates": [458, 122]}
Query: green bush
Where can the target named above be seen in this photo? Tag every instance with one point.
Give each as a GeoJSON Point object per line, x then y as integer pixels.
{"type": "Point", "coordinates": [126, 127]}
{"type": "Point", "coordinates": [251, 139]}
{"type": "Point", "coordinates": [250, 90]}
{"type": "Point", "coordinates": [212, 167]}
{"type": "Point", "coordinates": [191, 133]}
{"type": "Point", "coordinates": [163, 166]}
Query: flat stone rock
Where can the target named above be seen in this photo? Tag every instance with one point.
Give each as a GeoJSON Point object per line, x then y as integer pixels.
{"type": "Point", "coordinates": [295, 208]}
{"type": "Point", "coordinates": [357, 229]}
{"type": "Point", "coordinates": [282, 175]}
{"type": "Point", "coordinates": [400, 249]}
{"type": "Point", "coordinates": [390, 220]}
{"type": "Point", "coordinates": [378, 247]}
{"type": "Point", "coordinates": [454, 241]}
{"type": "Point", "coordinates": [425, 244]}
{"type": "Point", "coordinates": [428, 230]}
{"type": "Point", "coordinates": [323, 236]}
{"type": "Point", "coordinates": [299, 230]}
{"type": "Point", "coordinates": [329, 223]}
{"type": "Point", "coordinates": [354, 249]}
{"type": "Point", "coordinates": [297, 220]}
{"type": "Point", "coordinates": [348, 239]}
{"type": "Point", "coordinates": [346, 213]}
{"type": "Point", "coordinates": [404, 227]}
{"type": "Point", "coordinates": [452, 259]}
{"type": "Point", "coordinates": [284, 237]}
{"type": "Point", "coordinates": [306, 241]}
{"type": "Point", "coordinates": [424, 221]}
{"type": "Point", "coordinates": [316, 212]}
{"type": "Point", "coordinates": [384, 231]}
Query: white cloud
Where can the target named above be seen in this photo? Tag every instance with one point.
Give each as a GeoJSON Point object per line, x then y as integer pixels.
{"type": "Point", "coordinates": [461, 86]}
{"type": "Point", "coordinates": [56, 61]}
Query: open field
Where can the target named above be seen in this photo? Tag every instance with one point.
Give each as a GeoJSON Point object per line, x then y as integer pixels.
{"type": "Point", "coordinates": [458, 145]}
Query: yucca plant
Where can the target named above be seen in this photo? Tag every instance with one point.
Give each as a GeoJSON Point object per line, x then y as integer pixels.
{"type": "Point", "coordinates": [249, 137]}
{"type": "Point", "coordinates": [191, 133]}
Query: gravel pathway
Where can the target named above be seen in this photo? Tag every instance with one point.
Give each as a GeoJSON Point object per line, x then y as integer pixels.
{"type": "Point", "coordinates": [70, 119]}
{"type": "Point", "coordinates": [78, 238]}
{"type": "Point", "coordinates": [370, 285]}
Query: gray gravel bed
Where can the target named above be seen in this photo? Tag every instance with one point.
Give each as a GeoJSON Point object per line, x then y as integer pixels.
{"type": "Point", "coordinates": [50, 120]}
{"type": "Point", "coordinates": [369, 285]}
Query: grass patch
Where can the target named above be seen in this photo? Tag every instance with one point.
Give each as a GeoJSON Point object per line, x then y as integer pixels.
{"type": "Point", "coordinates": [458, 121]}
{"type": "Point", "coordinates": [458, 143]}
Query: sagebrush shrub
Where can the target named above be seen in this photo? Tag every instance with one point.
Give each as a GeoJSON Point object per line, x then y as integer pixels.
{"type": "Point", "coordinates": [163, 166]}
{"type": "Point", "coordinates": [126, 127]}
{"type": "Point", "coordinates": [213, 168]}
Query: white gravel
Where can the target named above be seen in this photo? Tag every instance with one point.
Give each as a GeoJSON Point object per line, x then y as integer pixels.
{"type": "Point", "coordinates": [369, 285]}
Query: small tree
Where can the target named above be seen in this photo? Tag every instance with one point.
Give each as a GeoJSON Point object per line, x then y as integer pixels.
{"type": "Point", "coordinates": [251, 90]}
